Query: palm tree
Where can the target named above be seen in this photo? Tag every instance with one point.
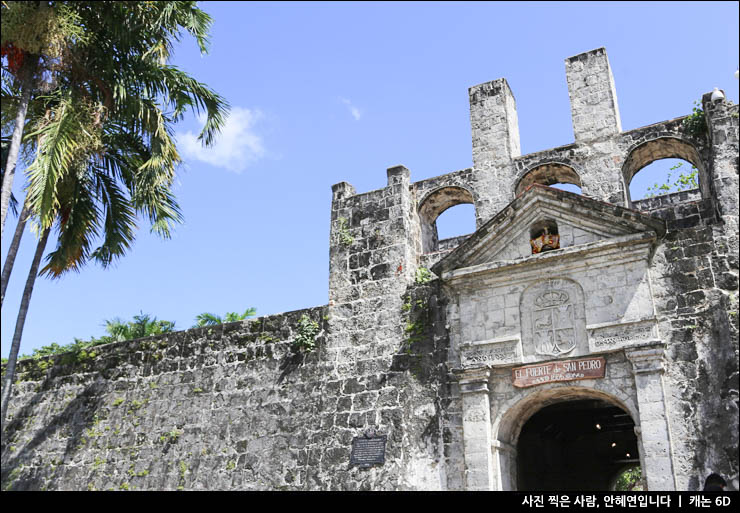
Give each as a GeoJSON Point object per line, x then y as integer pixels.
{"type": "Point", "coordinates": [26, 74]}
{"type": "Point", "coordinates": [15, 244]}
{"type": "Point", "coordinates": [143, 325]}
{"type": "Point", "coordinates": [13, 251]}
{"type": "Point", "coordinates": [34, 37]}
{"type": "Point", "coordinates": [209, 319]}
{"type": "Point", "coordinates": [118, 69]}
{"type": "Point", "coordinates": [104, 144]}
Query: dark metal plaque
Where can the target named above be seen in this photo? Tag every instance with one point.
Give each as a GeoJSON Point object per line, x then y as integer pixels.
{"type": "Point", "coordinates": [368, 450]}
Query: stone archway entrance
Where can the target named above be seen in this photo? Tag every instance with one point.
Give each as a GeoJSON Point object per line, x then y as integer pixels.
{"type": "Point", "coordinates": [575, 445]}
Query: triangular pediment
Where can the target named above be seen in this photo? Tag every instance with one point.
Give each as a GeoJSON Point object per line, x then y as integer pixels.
{"type": "Point", "coordinates": [580, 221]}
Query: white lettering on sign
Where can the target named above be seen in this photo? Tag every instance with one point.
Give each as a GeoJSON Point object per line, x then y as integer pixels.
{"type": "Point", "coordinates": [587, 368]}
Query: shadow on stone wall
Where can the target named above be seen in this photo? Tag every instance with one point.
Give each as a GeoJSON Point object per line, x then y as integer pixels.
{"type": "Point", "coordinates": [76, 417]}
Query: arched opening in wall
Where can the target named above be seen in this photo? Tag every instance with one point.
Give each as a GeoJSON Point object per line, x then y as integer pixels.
{"type": "Point", "coordinates": [554, 174]}
{"type": "Point", "coordinates": [663, 166]}
{"type": "Point", "coordinates": [581, 444]}
{"type": "Point", "coordinates": [663, 177]}
{"type": "Point", "coordinates": [461, 220]}
{"type": "Point", "coordinates": [454, 223]}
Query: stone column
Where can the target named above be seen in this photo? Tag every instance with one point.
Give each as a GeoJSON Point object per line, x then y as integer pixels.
{"type": "Point", "coordinates": [476, 429]}
{"type": "Point", "coordinates": [494, 123]}
{"type": "Point", "coordinates": [647, 365]}
{"type": "Point", "coordinates": [593, 97]}
{"type": "Point", "coordinates": [504, 466]}
{"type": "Point", "coordinates": [595, 114]}
{"type": "Point", "coordinates": [722, 124]}
{"type": "Point", "coordinates": [495, 128]}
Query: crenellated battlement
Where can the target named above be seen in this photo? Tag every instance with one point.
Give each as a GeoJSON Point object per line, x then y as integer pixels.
{"type": "Point", "coordinates": [602, 160]}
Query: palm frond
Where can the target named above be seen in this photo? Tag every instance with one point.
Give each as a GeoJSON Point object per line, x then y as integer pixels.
{"type": "Point", "coordinates": [119, 224]}
{"type": "Point", "coordinates": [207, 319]}
{"type": "Point", "coordinates": [59, 142]}
{"type": "Point", "coordinates": [104, 141]}
{"type": "Point", "coordinates": [117, 329]}
{"type": "Point", "coordinates": [78, 226]}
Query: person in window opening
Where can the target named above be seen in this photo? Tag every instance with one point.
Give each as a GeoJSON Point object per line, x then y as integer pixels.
{"type": "Point", "coordinates": [546, 247]}
{"type": "Point", "coordinates": [545, 241]}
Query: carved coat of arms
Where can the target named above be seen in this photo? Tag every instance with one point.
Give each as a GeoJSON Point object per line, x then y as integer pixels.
{"type": "Point", "coordinates": [553, 323]}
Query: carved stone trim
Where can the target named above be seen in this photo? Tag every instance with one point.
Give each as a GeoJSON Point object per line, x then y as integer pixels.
{"type": "Point", "coordinates": [476, 428]}
{"type": "Point", "coordinates": [491, 353]}
{"type": "Point", "coordinates": [646, 359]}
{"type": "Point", "coordinates": [654, 431]}
{"type": "Point", "coordinates": [553, 319]}
{"type": "Point", "coordinates": [608, 337]}
{"type": "Point", "coordinates": [473, 380]}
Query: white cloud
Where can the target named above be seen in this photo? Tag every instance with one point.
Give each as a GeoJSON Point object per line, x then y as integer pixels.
{"type": "Point", "coordinates": [352, 109]}
{"type": "Point", "coordinates": [237, 145]}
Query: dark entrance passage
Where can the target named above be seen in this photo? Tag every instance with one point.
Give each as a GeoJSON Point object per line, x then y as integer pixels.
{"type": "Point", "coordinates": [574, 446]}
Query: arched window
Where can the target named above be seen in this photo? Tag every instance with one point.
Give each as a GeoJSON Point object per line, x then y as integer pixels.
{"type": "Point", "coordinates": [455, 222]}
{"type": "Point", "coordinates": [654, 161]}
{"type": "Point", "coordinates": [664, 176]}
{"type": "Point", "coordinates": [553, 174]}
{"type": "Point", "coordinates": [460, 219]}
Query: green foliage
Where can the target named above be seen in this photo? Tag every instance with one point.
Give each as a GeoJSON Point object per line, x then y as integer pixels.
{"type": "Point", "coordinates": [102, 122]}
{"type": "Point", "coordinates": [423, 275]}
{"type": "Point", "coordinates": [305, 339]}
{"type": "Point", "coordinates": [170, 437]}
{"type": "Point", "coordinates": [343, 232]}
{"type": "Point", "coordinates": [142, 325]}
{"type": "Point", "coordinates": [42, 32]}
{"type": "Point", "coordinates": [630, 480]}
{"type": "Point", "coordinates": [685, 181]}
{"type": "Point", "coordinates": [695, 123]}
{"type": "Point", "coordinates": [265, 338]}
{"type": "Point", "coordinates": [414, 332]}
{"type": "Point", "coordinates": [209, 319]}
{"type": "Point", "coordinates": [183, 470]}
{"type": "Point", "coordinates": [418, 321]}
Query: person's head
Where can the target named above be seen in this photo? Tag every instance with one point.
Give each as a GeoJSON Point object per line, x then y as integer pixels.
{"type": "Point", "coordinates": [714, 482]}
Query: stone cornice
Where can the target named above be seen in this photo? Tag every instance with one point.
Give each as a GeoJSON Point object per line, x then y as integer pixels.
{"type": "Point", "coordinates": [647, 358]}
{"type": "Point", "coordinates": [472, 380]}
{"type": "Point", "coordinates": [585, 252]}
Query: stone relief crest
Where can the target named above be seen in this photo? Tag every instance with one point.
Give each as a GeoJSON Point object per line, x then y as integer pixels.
{"type": "Point", "coordinates": [553, 323]}
{"type": "Point", "coordinates": [553, 319]}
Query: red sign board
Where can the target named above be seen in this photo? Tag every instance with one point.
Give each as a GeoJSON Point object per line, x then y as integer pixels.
{"type": "Point", "coordinates": [568, 370]}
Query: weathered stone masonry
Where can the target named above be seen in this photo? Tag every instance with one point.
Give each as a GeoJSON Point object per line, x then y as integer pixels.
{"type": "Point", "coordinates": [648, 286]}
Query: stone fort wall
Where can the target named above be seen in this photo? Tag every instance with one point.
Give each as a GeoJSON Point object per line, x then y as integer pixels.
{"type": "Point", "coordinates": [236, 407]}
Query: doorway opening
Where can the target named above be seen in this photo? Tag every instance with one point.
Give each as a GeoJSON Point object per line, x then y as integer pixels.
{"type": "Point", "coordinates": [576, 445]}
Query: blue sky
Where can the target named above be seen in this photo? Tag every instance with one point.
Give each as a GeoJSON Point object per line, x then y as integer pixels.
{"type": "Point", "coordinates": [329, 92]}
